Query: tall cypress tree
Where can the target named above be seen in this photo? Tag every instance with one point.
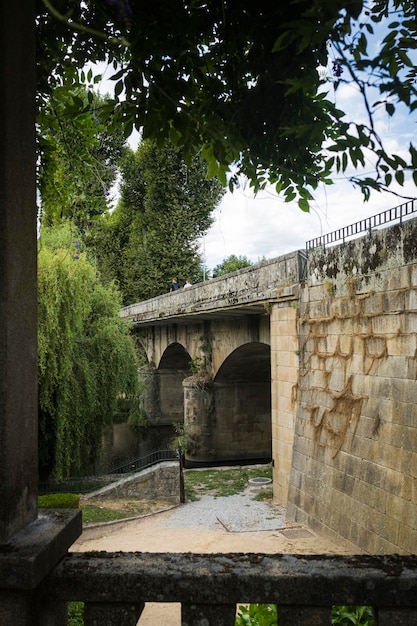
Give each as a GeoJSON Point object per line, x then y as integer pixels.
{"type": "Point", "coordinates": [165, 207]}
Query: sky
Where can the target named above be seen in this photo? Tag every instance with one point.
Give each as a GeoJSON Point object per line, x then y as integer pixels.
{"type": "Point", "coordinates": [265, 226]}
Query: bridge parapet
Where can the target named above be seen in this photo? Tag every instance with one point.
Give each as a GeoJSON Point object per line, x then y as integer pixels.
{"type": "Point", "coordinates": [246, 290]}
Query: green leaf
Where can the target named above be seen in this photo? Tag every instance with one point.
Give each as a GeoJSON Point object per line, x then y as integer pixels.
{"type": "Point", "coordinates": [399, 177]}
{"type": "Point", "coordinates": [118, 88]}
{"type": "Point", "coordinates": [304, 205]}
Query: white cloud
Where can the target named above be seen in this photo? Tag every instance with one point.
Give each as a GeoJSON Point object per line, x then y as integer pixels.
{"type": "Point", "coordinates": [267, 226]}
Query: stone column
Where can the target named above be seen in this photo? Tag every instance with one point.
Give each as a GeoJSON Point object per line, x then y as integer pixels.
{"type": "Point", "coordinates": [31, 544]}
{"type": "Point", "coordinates": [18, 304]}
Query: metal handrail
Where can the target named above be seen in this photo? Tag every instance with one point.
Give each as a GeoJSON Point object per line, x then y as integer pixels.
{"type": "Point", "coordinates": [397, 213]}
{"type": "Point", "coordinates": [147, 460]}
{"type": "Point", "coordinates": [88, 484]}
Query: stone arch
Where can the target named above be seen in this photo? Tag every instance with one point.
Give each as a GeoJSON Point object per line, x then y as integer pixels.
{"type": "Point", "coordinates": [173, 367]}
{"type": "Point", "coordinates": [231, 422]}
{"type": "Point", "coordinates": [242, 403]}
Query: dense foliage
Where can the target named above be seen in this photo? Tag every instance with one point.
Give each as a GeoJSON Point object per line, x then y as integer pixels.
{"type": "Point", "coordinates": [78, 155]}
{"type": "Point", "coordinates": [240, 82]}
{"type": "Point", "coordinates": [231, 263]}
{"type": "Point", "coordinates": [87, 358]}
{"type": "Point", "coordinates": [152, 236]}
{"type": "Point", "coordinates": [266, 615]}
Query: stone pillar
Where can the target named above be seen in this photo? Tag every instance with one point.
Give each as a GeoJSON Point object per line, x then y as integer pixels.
{"type": "Point", "coordinates": [31, 544]}
{"type": "Point", "coordinates": [198, 420]}
{"type": "Point", "coordinates": [150, 400]}
{"type": "Point", "coordinates": [284, 381]}
{"type": "Point", "coordinates": [170, 396]}
{"type": "Point", "coordinates": [18, 304]}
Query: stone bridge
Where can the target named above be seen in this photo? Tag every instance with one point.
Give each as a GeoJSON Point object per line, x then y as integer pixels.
{"type": "Point", "coordinates": [308, 361]}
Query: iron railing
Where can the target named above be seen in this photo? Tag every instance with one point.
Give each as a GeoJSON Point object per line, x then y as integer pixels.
{"type": "Point", "coordinates": [135, 464]}
{"type": "Point", "coordinates": [91, 483]}
{"type": "Point", "coordinates": [396, 214]}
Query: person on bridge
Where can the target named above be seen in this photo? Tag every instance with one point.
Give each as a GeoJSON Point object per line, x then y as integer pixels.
{"type": "Point", "coordinates": [174, 285]}
{"type": "Point", "coordinates": [187, 284]}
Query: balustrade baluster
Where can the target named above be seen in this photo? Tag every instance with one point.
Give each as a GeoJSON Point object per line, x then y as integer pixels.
{"type": "Point", "coordinates": [112, 614]}
{"type": "Point", "coordinates": [208, 614]}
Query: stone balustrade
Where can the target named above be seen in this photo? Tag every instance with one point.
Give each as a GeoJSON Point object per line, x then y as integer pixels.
{"type": "Point", "coordinates": [115, 586]}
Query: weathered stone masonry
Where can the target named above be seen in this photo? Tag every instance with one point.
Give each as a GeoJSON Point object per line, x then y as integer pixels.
{"type": "Point", "coordinates": [354, 462]}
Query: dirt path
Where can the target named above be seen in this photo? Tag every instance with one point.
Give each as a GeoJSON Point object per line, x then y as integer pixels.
{"type": "Point", "coordinates": [170, 531]}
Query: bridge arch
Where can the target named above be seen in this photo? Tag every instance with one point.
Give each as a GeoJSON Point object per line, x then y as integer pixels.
{"type": "Point", "coordinates": [173, 367]}
{"type": "Point", "coordinates": [234, 411]}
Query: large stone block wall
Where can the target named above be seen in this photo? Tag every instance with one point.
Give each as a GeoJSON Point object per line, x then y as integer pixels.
{"type": "Point", "coordinates": [284, 375]}
{"type": "Point", "coordinates": [354, 463]}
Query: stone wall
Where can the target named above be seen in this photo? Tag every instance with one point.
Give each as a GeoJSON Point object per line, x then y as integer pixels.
{"type": "Point", "coordinates": [354, 461]}
{"type": "Point", "coordinates": [160, 481]}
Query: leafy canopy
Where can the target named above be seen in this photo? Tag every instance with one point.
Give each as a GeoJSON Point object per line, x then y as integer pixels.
{"type": "Point", "coordinates": [79, 155]}
{"type": "Point", "coordinates": [239, 80]}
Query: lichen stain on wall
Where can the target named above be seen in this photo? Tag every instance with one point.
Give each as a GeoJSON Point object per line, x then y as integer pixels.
{"type": "Point", "coordinates": [335, 351]}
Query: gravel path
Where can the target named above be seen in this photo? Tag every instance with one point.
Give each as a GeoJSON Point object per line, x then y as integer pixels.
{"type": "Point", "coordinates": [210, 525]}
{"type": "Point", "coordinates": [238, 513]}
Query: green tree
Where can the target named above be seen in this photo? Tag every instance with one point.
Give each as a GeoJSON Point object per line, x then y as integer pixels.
{"type": "Point", "coordinates": [240, 82]}
{"type": "Point", "coordinates": [152, 236]}
{"type": "Point", "coordinates": [87, 359]}
{"type": "Point", "coordinates": [231, 263]}
{"type": "Point", "coordinates": [79, 155]}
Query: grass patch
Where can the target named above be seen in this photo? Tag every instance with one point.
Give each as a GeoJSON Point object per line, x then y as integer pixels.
{"type": "Point", "coordinates": [263, 496]}
{"type": "Point", "coordinates": [96, 514]}
{"type": "Point", "coordinates": [221, 482]}
{"type": "Point", "coordinates": [112, 510]}
{"type": "Point", "coordinates": [215, 482]}
{"type": "Point", "coordinates": [59, 501]}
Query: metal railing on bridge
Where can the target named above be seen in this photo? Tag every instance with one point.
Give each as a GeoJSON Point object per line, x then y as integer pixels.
{"type": "Point", "coordinates": [396, 214]}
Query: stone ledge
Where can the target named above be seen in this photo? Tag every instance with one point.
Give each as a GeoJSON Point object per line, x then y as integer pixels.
{"type": "Point", "coordinates": [33, 552]}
